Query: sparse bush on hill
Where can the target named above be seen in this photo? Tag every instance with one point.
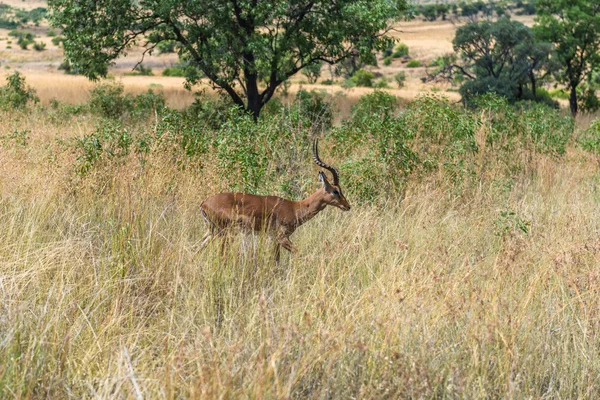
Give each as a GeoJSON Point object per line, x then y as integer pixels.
{"type": "Point", "coordinates": [16, 94]}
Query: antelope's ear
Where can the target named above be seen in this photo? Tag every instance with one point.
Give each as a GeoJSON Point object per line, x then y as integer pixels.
{"type": "Point", "coordinates": [323, 179]}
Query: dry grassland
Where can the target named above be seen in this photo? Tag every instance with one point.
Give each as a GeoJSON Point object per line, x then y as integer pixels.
{"type": "Point", "coordinates": [489, 291]}
{"type": "Point", "coordinates": [485, 291]}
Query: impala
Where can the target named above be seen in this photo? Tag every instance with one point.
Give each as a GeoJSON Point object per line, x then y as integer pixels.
{"type": "Point", "coordinates": [277, 216]}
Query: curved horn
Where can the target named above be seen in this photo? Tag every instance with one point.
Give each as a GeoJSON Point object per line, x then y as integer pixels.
{"type": "Point", "coordinates": [334, 172]}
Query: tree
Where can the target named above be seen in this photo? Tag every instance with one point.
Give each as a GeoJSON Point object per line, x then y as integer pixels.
{"type": "Point", "coordinates": [247, 48]}
{"type": "Point", "coordinates": [573, 26]}
{"type": "Point", "coordinates": [501, 57]}
{"type": "Point", "coordinates": [313, 71]}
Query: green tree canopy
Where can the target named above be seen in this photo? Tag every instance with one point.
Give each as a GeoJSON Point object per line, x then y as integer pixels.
{"type": "Point", "coordinates": [501, 57]}
{"type": "Point", "coordinates": [246, 48]}
{"type": "Point", "coordinates": [573, 26]}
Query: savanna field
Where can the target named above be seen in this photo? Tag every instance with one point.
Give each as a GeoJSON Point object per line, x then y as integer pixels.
{"type": "Point", "coordinates": [468, 266]}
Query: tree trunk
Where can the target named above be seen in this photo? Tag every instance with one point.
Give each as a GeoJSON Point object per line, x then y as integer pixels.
{"type": "Point", "coordinates": [254, 104]}
{"type": "Point", "coordinates": [573, 101]}
{"type": "Point", "coordinates": [533, 86]}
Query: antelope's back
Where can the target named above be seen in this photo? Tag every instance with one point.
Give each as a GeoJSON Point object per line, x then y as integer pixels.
{"type": "Point", "coordinates": [247, 210]}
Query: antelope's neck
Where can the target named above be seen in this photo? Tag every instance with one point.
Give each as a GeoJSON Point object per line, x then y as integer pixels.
{"type": "Point", "coordinates": [309, 207]}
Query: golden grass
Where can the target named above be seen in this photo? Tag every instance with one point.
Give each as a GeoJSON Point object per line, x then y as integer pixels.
{"type": "Point", "coordinates": [488, 291]}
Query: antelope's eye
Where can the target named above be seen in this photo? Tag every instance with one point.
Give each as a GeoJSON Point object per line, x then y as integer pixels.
{"type": "Point", "coordinates": [335, 192]}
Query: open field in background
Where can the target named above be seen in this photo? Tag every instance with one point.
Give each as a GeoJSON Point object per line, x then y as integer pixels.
{"type": "Point", "coordinates": [476, 276]}
{"type": "Point", "coordinates": [426, 40]}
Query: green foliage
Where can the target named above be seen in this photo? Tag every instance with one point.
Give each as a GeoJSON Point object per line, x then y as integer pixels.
{"type": "Point", "coordinates": [174, 71]}
{"type": "Point", "coordinates": [313, 71]}
{"type": "Point", "coordinates": [559, 94]}
{"type": "Point", "coordinates": [167, 46]}
{"type": "Point", "coordinates": [363, 77]}
{"type": "Point", "coordinates": [511, 223]}
{"type": "Point", "coordinates": [573, 27]}
{"type": "Point", "coordinates": [401, 50]}
{"type": "Point", "coordinates": [502, 57]}
{"type": "Point", "coordinates": [140, 70]}
{"type": "Point", "coordinates": [312, 110]}
{"type": "Point", "coordinates": [57, 40]}
{"type": "Point", "coordinates": [590, 138]}
{"type": "Point", "coordinates": [109, 101]}
{"type": "Point", "coordinates": [400, 78]}
{"type": "Point", "coordinates": [413, 64]}
{"type": "Point", "coordinates": [381, 84]}
{"type": "Point", "coordinates": [16, 94]}
{"type": "Point", "coordinates": [110, 142]}
{"type": "Point", "coordinates": [51, 33]}
{"type": "Point", "coordinates": [39, 46]}
{"type": "Point", "coordinates": [235, 40]}
{"type": "Point", "coordinates": [387, 61]}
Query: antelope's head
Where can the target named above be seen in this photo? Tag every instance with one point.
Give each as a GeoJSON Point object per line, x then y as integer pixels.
{"type": "Point", "coordinates": [332, 191]}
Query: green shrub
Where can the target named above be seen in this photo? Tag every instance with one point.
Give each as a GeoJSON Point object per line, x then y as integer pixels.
{"type": "Point", "coordinates": [590, 139]}
{"type": "Point", "coordinates": [363, 77]}
{"type": "Point", "coordinates": [413, 64]}
{"type": "Point", "coordinates": [166, 46]}
{"type": "Point", "coordinates": [51, 33]}
{"type": "Point", "coordinates": [16, 94]}
{"type": "Point", "coordinates": [107, 100]}
{"type": "Point", "coordinates": [401, 50]}
{"type": "Point", "coordinates": [24, 43]}
{"type": "Point", "coordinates": [140, 70]}
{"type": "Point", "coordinates": [110, 142]}
{"type": "Point", "coordinates": [387, 61]}
{"type": "Point", "coordinates": [39, 46]}
{"type": "Point", "coordinates": [381, 84]}
{"type": "Point", "coordinates": [400, 78]}
{"type": "Point", "coordinates": [559, 94]}
{"type": "Point", "coordinates": [57, 40]}
{"type": "Point", "coordinates": [174, 71]}
{"type": "Point", "coordinates": [313, 71]}
{"type": "Point", "coordinates": [311, 109]}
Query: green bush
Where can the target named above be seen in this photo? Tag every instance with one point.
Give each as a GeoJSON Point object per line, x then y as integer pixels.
{"type": "Point", "coordinates": [39, 46]}
{"type": "Point", "coordinates": [590, 139]}
{"type": "Point", "coordinates": [401, 50]}
{"type": "Point", "coordinates": [57, 40]}
{"type": "Point", "coordinates": [24, 43]}
{"type": "Point", "coordinates": [311, 109]}
{"type": "Point", "coordinates": [166, 46]}
{"type": "Point", "coordinates": [381, 84]}
{"type": "Point", "coordinates": [363, 77]}
{"type": "Point", "coordinates": [559, 94]}
{"type": "Point", "coordinates": [140, 70]}
{"type": "Point", "coordinates": [387, 61]}
{"type": "Point", "coordinates": [109, 101]}
{"type": "Point", "coordinates": [16, 94]}
{"type": "Point", "coordinates": [400, 78]}
{"type": "Point", "coordinates": [413, 64]}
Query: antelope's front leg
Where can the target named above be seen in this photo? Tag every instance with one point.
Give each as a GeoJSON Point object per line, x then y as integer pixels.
{"type": "Point", "coordinates": [284, 241]}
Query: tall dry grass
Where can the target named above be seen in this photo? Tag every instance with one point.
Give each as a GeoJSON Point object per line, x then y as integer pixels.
{"type": "Point", "coordinates": [486, 291]}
